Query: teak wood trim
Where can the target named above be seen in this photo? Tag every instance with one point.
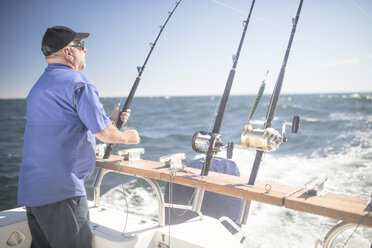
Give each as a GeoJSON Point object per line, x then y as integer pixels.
{"type": "Point", "coordinates": [341, 207]}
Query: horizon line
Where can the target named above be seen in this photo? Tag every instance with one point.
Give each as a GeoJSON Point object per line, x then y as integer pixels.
{"type": "Point", "coordinates": [215, 95]}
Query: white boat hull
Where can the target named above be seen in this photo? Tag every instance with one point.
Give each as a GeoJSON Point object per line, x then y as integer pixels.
{"type": "Point", "coordinates": [107, 228]}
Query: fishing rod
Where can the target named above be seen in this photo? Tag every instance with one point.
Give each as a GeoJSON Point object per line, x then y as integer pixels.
{"type": "Point", "coordinates": [268, 139]}
{"type": "Point", "coordinates": [276, 139]}
{"type": "Point", "coordinates": [210, 143]}
{"type": "Point", "coordinates": [129, 99]}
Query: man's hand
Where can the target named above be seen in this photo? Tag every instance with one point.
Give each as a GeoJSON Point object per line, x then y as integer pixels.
{"type": "Point", "coordinates": [132, 137]}
{"type": "Point", "coordinates": [124, 116]}
{"type": "Point", "coordinates": [112, 135]}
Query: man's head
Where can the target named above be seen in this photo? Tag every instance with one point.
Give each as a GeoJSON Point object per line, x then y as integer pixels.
{"type": "Point", "coordinates": [56, 38]}
{"type": "Point", "coordinates": [63, 45]}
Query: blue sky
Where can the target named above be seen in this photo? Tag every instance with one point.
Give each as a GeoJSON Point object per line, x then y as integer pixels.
{"type": "Point", "coordinates": [331, 52]}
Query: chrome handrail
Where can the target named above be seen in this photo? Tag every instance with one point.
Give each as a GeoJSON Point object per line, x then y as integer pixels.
{"type": "Point", "coordinates": [153, 183]}
{"type": "Point", "coordinates": [97, 186]}
{"type": "Point", "coordinates": [333, 233]}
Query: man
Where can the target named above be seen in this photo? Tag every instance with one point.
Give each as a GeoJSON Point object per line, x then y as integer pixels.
{"type": "Point", "coordinates": [64, 115]}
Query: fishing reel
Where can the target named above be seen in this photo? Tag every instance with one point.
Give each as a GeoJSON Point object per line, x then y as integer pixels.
{"type": "Point", "coordinates": [202, 142]}
{"type": "Point", "coordinates": [267, 139]}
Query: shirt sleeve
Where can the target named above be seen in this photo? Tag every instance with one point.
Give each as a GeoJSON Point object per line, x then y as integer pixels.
{"type": "Point", "coordinates": [89, 108]}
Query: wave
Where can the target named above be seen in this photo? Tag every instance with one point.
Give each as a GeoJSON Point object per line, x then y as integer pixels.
{"type": "Point", "coordinates": [311, 120]}
{"type": "Point", "coordinates": [295, 169]}
{"type": "Point", "coordinates": [135, 195]}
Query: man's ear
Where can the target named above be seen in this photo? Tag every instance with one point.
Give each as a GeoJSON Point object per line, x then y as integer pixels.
{"type": "Point", "coordinates": [67, 53]}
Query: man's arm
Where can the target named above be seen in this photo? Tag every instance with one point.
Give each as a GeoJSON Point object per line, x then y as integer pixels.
{"type": "Point", "coordinates": [112, 135]}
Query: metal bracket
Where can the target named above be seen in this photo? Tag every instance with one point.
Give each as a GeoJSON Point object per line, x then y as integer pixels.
{"type": "Point", "coordinates": [174, 161]}
{"type": "Point", "coordinates": [100, 149]}
{"type": "Point", "coordinates": [132, 154]}
{"type": "Point", "coordinates": [315, 186]}
{"type": "Point", "coordinates": [369, 204]}
{"type": "Point", "coordinates": [244, 238]}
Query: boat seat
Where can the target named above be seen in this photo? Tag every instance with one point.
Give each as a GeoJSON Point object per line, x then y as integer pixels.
{"type": "Point", "coordinates": [214, 205]}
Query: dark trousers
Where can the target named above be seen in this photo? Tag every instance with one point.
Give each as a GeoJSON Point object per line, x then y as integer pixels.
{"type": "Point", "coordinates": [63, 224]}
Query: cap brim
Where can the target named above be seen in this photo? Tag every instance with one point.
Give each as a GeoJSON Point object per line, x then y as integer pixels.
{"type": "Point", "coordinates": [81, 36]}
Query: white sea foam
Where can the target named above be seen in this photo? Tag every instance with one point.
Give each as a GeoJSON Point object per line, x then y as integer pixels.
{"type": "Point", "coordinates": [140, 202]}
{"type": "Point", "coordinates": [258, 122]}
{"type": "Point", "coordinates": [309, 119]}
{"type": "Point", "coordinates": [356, 95]}
{"type": "Point", "coordinates": [342, 116]}
{"type": "Point", "coordinates": [288, 228]}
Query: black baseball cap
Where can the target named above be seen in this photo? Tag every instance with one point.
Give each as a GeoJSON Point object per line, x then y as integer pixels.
{"type": "Point", "coordinates": [57, 37]}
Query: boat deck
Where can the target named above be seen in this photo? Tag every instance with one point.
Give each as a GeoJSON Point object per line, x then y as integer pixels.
{"type": "Point", "coordinates": [336, 206]}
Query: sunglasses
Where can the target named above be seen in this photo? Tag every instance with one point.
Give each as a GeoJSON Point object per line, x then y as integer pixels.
{"type": "Point", "coordinates": [80, 44]}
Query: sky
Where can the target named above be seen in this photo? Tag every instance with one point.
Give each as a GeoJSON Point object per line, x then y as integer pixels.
{"type": "Point", "coordinates": [331, 51]}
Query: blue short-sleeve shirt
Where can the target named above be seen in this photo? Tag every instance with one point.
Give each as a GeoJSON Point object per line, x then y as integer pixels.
{"type": "Point", "coordinates": [63, 113]}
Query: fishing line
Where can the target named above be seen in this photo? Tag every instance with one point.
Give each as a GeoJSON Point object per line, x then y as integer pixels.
{"type": "Point", "coordinates": [125, 199]}
{"type": "Point", "coordinates": [230, 7]}
{"type": "Point", "coordinates": [362, 10]}
{"type": "Point", "coordinates": [214, 114]}
{"type": "Point", "coordinates": [253, 17]}
{"type": "Point", "coordinates": [170, 195]}
{"type": "Point", "coordinates": [352, 234]}
{"type": "Point", "coordinates": [127, 206]}
{"type": "Point", "coordinates": [279, 27]}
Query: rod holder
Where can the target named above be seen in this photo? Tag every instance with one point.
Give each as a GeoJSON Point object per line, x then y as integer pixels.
{"type": "Point", "coordinates": [315, 186]}
{"type": "Point", "coordinates": [100, 149]}
{"type": "Point", "coordinates": [131, 154]}
{"type": "Point", "coordinates": [174, 161]}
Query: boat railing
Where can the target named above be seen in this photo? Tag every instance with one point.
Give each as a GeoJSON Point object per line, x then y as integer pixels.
{"type": "Point", "coordinates": [331, 236]}
{"type": "Point", "coordinates": [132, 155]}
{"type": "Point", "coordinates": [173, 162]}
{"type": "Point", "coordinates": [155, 186]}
{"type": "Point", "coordinates": [351, 211]}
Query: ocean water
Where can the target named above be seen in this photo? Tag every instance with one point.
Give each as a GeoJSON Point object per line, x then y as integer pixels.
{"type": "Point", "coordinates": [334, 140]}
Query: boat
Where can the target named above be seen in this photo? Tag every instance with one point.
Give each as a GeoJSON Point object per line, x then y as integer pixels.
{"type": "Point", "coordinates": [115, 229]}
{"type": "Point", "coordinates": [107, 224]}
